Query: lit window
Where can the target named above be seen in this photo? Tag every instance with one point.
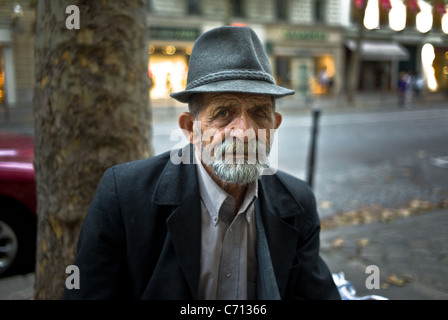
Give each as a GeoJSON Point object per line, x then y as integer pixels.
{"type": "Point", "coordinates": [423, 20]}
{"type": "Point", "coordinates": [372, 15]}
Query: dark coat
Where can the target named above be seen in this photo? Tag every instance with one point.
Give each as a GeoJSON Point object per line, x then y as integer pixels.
{"type": "Point", "coordinates": [141, 237]}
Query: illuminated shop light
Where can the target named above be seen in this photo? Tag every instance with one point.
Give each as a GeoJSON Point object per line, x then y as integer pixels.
{"type": "Point", "coordinates": [372, 15]}
{"type": "Point", "coordinates": [445, 23]}
{"type": "Point", "coordinates": [397, 15]}
{"type": "Point", "coordinates": [424, 18]}
{"type": "Point", "coordinates": [428, 57]}
{"type": "Point", "coordinates": [169, 50]}
{"type": "Point", "coordinates": [445, 70]}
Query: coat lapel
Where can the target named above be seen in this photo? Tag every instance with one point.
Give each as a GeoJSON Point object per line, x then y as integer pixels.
{"type": "Point", "coordinates": [277, 205]}
{"type": "Point", "coordinates": [178, 187]}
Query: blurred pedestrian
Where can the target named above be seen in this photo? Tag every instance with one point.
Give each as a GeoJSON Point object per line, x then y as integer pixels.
{"type": "Point", "coordinates": [418, 86]}
{"type": "Point", "coordinates": [324, 80]}
{"type": "Point", "coordinates": [401, 88]}
{"type": "Point", "coordinates": [409, 90]}
{"type": "Point", "coordinates": [187, 224]}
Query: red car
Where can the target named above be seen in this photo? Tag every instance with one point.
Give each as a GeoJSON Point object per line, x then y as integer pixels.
{"type": "Point", "coordinates": [18, 219]}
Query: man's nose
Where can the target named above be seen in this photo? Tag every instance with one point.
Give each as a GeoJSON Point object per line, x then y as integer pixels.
{"type": "Point", "coordinates": [242, 128]}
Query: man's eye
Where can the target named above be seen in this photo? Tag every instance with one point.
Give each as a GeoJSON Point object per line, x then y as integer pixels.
{"type": "Point", "coordinates": [260, 113]}
{"type": "Point", "coordinates": [223, 114]}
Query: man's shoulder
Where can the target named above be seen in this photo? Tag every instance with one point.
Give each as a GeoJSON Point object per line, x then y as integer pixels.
{"type": "Point", "coordinates": [142, 167]}
{"type": "Point", "coordinates": [289, 181]}
{"type": "Point", "coordinates": [297, 188]}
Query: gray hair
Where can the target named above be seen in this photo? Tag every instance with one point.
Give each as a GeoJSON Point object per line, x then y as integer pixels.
{"type": "Point", "coordinates": [195, 104]}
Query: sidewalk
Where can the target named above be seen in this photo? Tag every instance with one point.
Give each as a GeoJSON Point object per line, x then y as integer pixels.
{"type": "Point", "coordinates": [20, 287]}
{"type": "Point", "coordinates": [411, 254]}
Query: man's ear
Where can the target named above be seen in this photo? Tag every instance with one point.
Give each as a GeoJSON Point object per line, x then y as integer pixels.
{"type": "Point", "coordinates": [186, 123]}
{"type": "Point", "coordinates": [278, 120]}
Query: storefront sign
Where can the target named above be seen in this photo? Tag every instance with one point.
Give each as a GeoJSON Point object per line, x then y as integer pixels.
{"type": "Point", "coordinates": [164, 33]}
{"type": "Point", "coordinates": [303, 35]}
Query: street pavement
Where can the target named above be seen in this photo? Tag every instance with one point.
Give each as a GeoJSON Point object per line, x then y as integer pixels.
{"type": "Point", "coordinates": [410, 252]}
{"type": "Point", "coordinates": [411, 255]}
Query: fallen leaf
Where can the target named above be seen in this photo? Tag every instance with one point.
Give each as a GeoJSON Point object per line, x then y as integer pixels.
{"type": "Point", "coordinates": [397, 281]}
{"type": "Point", "coordinates": [337, 243]}
{"type": "Point", "coordinates": [325, 205]}
{"type": "Point", "coordinates": [363, 242]}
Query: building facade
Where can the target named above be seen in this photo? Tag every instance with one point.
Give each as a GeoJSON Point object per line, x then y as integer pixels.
{"type": "Point", "coordinates": [302, 39]}
{"type": "Point", "coordinates": [17, 23]}
{"type": "Point", "coordinates": [387, 53]}
{"type": "Point", "coordinates": [309, 42]}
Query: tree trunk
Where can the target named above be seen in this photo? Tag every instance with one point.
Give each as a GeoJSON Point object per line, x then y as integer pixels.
{"type": "Point", "coordinates": [91, 110]}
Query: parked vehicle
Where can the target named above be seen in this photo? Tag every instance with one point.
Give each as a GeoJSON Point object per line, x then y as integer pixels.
{"type": "Point", "coordinates": [18, 202]}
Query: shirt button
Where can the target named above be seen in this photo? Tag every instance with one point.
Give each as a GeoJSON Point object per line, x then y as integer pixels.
{"type": "Point", "coordinates": [228, 274]}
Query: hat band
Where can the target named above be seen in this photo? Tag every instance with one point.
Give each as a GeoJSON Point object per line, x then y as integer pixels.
{"type": "Point", "coordinates": [231, 75]}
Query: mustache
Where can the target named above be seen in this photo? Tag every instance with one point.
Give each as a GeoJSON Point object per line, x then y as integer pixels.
{"type": "Point", "coordinates": [250, 149]}
{"type": "Point", "coordinates": [255, 151]}
{"type": "Point", "coordinates": [238, 147]}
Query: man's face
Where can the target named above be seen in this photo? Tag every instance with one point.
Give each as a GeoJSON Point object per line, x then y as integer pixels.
{"type": "Point", "coordinates": [233, 132]}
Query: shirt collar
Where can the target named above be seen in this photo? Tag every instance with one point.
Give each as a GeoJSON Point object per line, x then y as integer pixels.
{"type": "Point", "coordinates": [214, 196]}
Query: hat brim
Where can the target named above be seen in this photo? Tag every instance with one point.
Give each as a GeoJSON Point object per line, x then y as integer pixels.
{"type": "Point", "coordinates": [236, 86]}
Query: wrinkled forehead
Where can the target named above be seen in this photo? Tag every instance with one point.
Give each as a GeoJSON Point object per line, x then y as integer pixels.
{"type": "Point", "coordinates": [198, 102]}
{"type": "Point", "coordinates": [236, 98]}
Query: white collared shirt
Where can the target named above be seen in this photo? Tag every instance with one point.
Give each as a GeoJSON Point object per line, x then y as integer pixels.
{"type": "Point", "coordinates": [228, 242]}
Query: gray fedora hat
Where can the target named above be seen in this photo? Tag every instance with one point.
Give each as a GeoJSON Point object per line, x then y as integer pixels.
{"type": "Point", "coordinates": [230, 59]}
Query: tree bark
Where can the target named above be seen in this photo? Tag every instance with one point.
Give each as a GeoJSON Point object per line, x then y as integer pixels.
{"type": "Point", "coordinates": [91, 110]}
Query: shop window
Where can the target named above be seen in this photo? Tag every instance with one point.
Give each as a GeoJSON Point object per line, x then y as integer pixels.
{"type": "Point", "coordinates": [168, 69]}
{"type": "Point", "coordinates": [281, 10]}
{"type": "Point", "coordinates": [319, 11]}
{"type": "Point", "coordinates": [322, 82]}
{"type": "Point", "coordinates": [283, 67]}
{"type": "Point", "coordinates": [238, 8]}
{"type": "Point", "coordinates": [194, 7]}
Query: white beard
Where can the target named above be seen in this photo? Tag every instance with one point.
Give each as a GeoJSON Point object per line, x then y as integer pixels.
{"type": "Point", "coordinates": [239, 170]}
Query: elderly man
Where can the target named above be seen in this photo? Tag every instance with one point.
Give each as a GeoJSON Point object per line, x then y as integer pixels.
{"type": "Point", "coordinates": [212, 220]}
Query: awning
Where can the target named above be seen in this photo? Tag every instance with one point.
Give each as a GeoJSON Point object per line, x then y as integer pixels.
{"type": "Point", "coordinates": [379, 50]}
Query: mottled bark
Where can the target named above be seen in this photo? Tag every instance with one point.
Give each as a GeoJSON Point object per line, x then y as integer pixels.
{"type": "Point", "coordinates": [91, 110]}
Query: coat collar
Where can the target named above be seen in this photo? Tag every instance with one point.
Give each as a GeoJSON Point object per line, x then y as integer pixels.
{"type": "Point", "coordinates": [178, 181]}
{"type": "Point", "coordinates": [178, 186]}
